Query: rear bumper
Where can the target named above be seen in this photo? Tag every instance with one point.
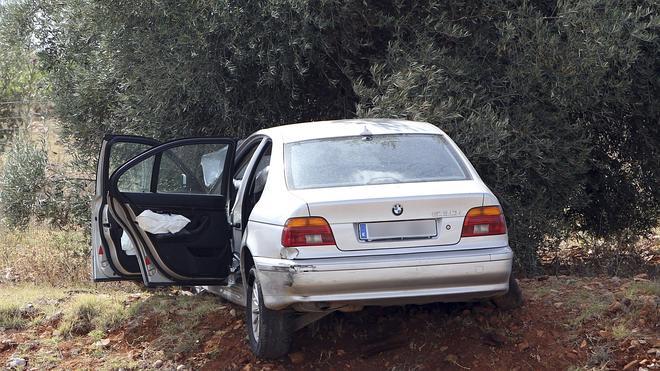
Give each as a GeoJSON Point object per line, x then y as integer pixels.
{"type": "Point", "coordinates": [314, 284]}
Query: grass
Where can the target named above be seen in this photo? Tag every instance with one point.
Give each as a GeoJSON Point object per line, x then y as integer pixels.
{"type": "Point", "coordinates": [10, 317]}
{"type": "Point", "coordinates": [643, 288]}
{"type": "Point", "coordinates": [43, 255]}
{"type": "Point", "coordinates": [92, 314]}
{"type": "Point", "coordinates": [112, 363]}
{"type": "Point", "coordinates": [101, 310]}
{"type": "Point", "coordinates": [83, 310]}
{"type": "Point", "coordinates": [175, 335]}
{"type": "Point", "coordinates": [44, 299]}
{"type": "Point", "coordinates": [591, 305]}
{"type": "Point", "coordinates": [620, 331]}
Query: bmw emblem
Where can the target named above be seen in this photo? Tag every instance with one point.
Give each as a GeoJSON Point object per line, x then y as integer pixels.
{"type": "Point", "coordinates": [397, 209]}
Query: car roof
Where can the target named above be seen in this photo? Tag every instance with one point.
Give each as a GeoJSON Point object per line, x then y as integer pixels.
{"type": "Point", "coordinates": [346, 128]}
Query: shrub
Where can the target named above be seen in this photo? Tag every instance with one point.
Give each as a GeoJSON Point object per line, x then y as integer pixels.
{"type": "Point", "coordinates": [22, 176]}
{"type": "Point", "coordinates": [64, 203]}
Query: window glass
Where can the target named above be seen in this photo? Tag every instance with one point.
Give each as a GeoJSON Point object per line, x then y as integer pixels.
{"type": "Point", "coordinates": [239, 172]}
{"type": "Point", "coordinates": [138, 178]}
{"type": "Point", "coordinates": [378, 159]}
{"type": "Point", "coordinates": [124, 151]}
{"type": "Point", "coordinates": [261, 173]}
{"type": "Point", "coordinates": [193, 168]}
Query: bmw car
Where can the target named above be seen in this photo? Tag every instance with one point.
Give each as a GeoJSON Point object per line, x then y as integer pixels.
{"type": "Point", "coordinates": [302, 220]}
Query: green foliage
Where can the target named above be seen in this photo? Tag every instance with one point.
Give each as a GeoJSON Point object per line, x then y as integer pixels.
{"type": "Point", "coordinates": [556, 108]}
{"type": "Point", "coordinates": [21, 178]}
{"type": "Point", "coordinates": [555, 102]}
{"type": "Point", "coordinates": [201, 68]}
{"type": "Point", "coordinates": [64, 203]}
{"type": "Point", "coordinates": [22, 81]}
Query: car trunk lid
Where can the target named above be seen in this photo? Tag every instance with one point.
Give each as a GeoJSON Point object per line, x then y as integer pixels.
{"type": "Point", "coordinates": [365, 217]}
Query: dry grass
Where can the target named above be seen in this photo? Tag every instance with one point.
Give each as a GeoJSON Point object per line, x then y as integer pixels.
{"type": "Point", "coordinates": [586, 255]}
{"type": "Point", "coordinates": [44, 300]}
{"type": "Point", "coordinates": [43, 255]}
{"type": "Point", "coordinates": [93, 313]}
{"type": "Point", "coordinates": [643, 288]}
{"type": "Point", "coordinates": [175, 335]}
{"type": "Point", "coordinates": [592, 306]}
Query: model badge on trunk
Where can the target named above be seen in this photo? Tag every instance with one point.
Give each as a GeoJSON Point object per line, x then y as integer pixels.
{"type": "Point", "coordinates": [397, 210]}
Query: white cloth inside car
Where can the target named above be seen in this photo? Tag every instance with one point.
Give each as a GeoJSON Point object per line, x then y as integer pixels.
{"type": "Point", "coordinates": [161, 223]}
{"type": "Point", "coordinates": [127, 244]}
{"type": "Point", "coordinates": [212, 164]}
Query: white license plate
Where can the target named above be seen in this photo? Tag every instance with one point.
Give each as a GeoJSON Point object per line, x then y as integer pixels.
{"type": "Point", "coordinates": [399, 230]}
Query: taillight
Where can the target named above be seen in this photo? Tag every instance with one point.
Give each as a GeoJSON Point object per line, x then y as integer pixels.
{"type": "Point", "coordinates": [308, 231]}
{"type": "Point", "coordinates": [484, 221]}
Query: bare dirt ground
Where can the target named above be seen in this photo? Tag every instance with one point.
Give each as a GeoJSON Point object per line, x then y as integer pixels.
{"type": "Point", "coordinates": [567, 323]}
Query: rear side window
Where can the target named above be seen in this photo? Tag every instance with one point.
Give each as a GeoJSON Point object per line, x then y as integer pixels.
{"type": "Point", "coordinates": [191, 168]}
{"type": "Point", "coordinates": [377, 159]}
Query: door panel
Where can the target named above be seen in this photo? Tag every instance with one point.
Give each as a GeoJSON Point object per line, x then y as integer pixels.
{"type": "Point", "coordinates": [189, 177]}
{"type": "Point", "coordinates": [112, 233]}
{"type": "Point", "coordinates": [109, 261]}
{"type": "Point", "coordinates": [197, 250]}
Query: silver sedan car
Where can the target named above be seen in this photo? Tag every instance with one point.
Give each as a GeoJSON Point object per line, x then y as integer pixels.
{"type": "Point", "coordinates": [302, 220]}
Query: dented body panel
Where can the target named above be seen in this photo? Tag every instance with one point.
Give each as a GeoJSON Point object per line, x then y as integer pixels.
{"type": "Point", "coordinates": [385, 280]}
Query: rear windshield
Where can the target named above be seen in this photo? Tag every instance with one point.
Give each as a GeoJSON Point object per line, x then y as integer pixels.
{"type": "Point", "coordinates": [377, 159]}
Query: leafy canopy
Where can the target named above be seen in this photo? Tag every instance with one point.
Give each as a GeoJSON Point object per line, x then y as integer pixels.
{"type": "Point", "coordinates": [555, 102]}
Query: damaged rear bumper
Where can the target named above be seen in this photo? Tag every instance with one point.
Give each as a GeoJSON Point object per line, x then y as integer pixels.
{"type": "Point", "coordinates": [318, 284]}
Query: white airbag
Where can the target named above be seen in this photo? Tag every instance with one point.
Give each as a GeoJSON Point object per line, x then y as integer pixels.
{"type": "Point", "coordinates": [212, 164]}
{"type": "Point", "coordinates": [161, 223]}
{"type": "Point", "coordinates": [127, 244]}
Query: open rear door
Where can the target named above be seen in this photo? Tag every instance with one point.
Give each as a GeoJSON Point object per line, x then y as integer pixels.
{"type": "Point", "coordinates": [187, 178]}
{"type": "Point", "coordinates": [109, 261]}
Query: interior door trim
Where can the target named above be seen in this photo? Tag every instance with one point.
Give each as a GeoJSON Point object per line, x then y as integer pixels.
{"type": "Point", "coordinates": [101, 190]}
{"type": "Point", "coordinates": [121, 208]}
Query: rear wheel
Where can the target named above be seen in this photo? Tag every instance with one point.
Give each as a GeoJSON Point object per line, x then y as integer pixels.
{"type": "Point", "coordinates": [269, 330]}
{"type": "Point", "coordinates": [513, 298]}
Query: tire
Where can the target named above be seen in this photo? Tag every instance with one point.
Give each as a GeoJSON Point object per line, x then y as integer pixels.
{"type": "Point", "coordinates": [269, 331]}
{"type": "Point", "coordinates": [513, 298]}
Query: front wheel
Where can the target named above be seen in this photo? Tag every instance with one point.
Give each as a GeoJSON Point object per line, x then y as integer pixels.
{"type": "Point", "coordinates": [513, 298]}
{"type": "Point", "coordinates": [269, 331]}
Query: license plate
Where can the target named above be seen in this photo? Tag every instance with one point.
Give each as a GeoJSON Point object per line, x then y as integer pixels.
{"type": "Point", "coordinates": [399, 230]}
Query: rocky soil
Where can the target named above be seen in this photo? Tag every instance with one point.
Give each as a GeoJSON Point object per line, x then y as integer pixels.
{"type": "Point", "coordinates": [567, 323]}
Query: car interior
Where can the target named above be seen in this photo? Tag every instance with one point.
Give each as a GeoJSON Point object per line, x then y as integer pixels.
{"type": "Point", "coordinates": [128, 262]}
{"type": "Point", "coordinates": [177, 185]}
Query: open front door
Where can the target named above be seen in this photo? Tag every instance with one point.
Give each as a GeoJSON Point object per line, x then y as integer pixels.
{"type": "Point", "coordinates": [109, 261]}
{"type": "Point", "coordinates": [186, 178]}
